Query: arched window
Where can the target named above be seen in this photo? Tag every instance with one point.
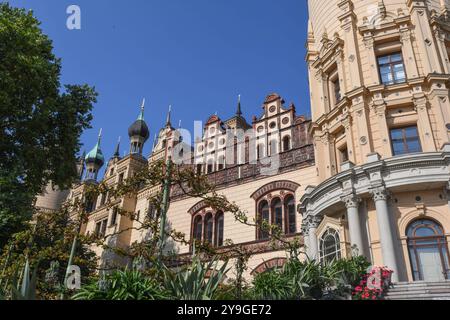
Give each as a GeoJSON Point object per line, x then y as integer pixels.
{"type": "Point", "coordinates": [210, 167]}
{"type": "Point", "coordinates": [221, 165]}
{"type": "Point", "coordinates": [209, 225]}
{"type": "Point", "coordinates": [199, 169]}
{"type": "Point", "coordinates": [428, 251]}
{"type": "Point", "coordinates": [219, 229]}
{"type": "Point", "coordinates": [260, 151]}
{"type": "Point", "coordinates": [263, 216]}
{"type": "Point", "coordinates": [286, 143]}
{"type": "Point", "coordinates": [289, 209]}
{"type": "Point", "coordinates": [330, 246]}
{"type": "Point", "coordinates": [273, 147]}
{"type": "Point", "coordinates": [277, 213]}
{"type": "Point", "coordinates": [198, 228]}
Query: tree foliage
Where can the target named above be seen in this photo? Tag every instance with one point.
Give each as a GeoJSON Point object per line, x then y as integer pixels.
{"type": "Point", "coordinates": [40, 122]}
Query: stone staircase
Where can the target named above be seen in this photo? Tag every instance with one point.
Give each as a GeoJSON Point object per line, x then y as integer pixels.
{"type": "Point", "coordinates": [419, 290]}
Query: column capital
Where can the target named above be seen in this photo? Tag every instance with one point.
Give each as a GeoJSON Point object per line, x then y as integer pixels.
{"type": "Point", "coordinates": [379, 193]}
{"type": "Point", "coordinates": [312, 222]}
{"type": "Point", "coordinates": [351, 201]}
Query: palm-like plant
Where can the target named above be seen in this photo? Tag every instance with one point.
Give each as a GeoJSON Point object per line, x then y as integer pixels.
{"type": "Point", "coordinates": [193, 282]}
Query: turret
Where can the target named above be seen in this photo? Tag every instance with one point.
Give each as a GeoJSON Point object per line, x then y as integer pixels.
{"type": "Point", "coordinates": [138, 133]}
{"type": "Point", "coordinates": [94, 160]}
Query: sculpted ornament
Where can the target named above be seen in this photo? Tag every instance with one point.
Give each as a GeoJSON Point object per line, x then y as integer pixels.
{"type": "Point", "coordinates": [351, 201]}
{"type": "Point", "coordinates": [379, 194]}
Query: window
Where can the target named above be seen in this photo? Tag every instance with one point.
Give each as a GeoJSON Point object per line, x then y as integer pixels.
{"type": "Point", "coordinates": [281, 213]}
{"type": "Point", "coordinates": [219, 229]}
{"type": "Point", "coordinates": [198, 228]}
{"type": "Point", "coordinates": [291, 226]}
{"type": "Point", "coordinates": [260, 151]}
{"type": "Point", "coordinates": [90, 205]}
{"type": "Point", "coordinates": [209, 228]}
{"type": "Point", "coordinates": [209, 224]}
{"type": "Point", "coordinates": [336, 90]}
{"type": "Point", "coordinates": [405, 140]}
{"type": "Point", "coordinates": [103, 199]}
{"type": "Point", "coordinates": [286, 143]}
{"type": "Point", "coordinates": [277, 213]}
{"type": "Point", "coordinates": [330, 246]}
{"type": "Point", "coordinates": [121, 177]}
{"type": "Point", "coordinates": [428, 251]}
{"type": "Point", "coordinates": [392, 69]}
{"type": "Point", "coordinates": [273, 147]}
{"type": "Point", "coordinates": [151, 211]}
{"type": "Point", "coordinates": [114, 216]}
{"type": "Point", "coordinates": [138, 215]}
{"type": "Point", "coordinates": [263, 213]}
{"type": "Point", "coordinates": [199, 169]}
{"type": "Point", "coordinates": [100, 228]}
{"type": "Point", "coordinates": [343, 154]}
{"type": "Point", "coordinates": [210, 167]}
{"type": "Point", "coordinates": [221, 165]}
{"type": "Point", "coordinates": [111, 172]}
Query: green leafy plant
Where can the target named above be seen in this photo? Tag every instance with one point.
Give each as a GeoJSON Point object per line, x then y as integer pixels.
{"type": "Point", "coordinates": [122, 285]}
{"type": "Point", "coordinates": [199, 281]}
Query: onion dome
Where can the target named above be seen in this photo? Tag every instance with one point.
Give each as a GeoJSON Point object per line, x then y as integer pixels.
{"type": "Point", "coordinates": [95, 155]}
{"type": "Point", "coordinates": [139, 127]}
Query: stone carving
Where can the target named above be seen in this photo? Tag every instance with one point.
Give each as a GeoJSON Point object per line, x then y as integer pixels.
{"type": "Point", "coordinates": [379, 194]}
{"type": "Point", "coordinates": [351, 201]}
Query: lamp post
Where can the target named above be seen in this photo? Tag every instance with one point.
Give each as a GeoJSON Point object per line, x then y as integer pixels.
{"type": "Point", "coordinates": [165, 206]}
{"type": "Point", "coordinates": [71, 257]}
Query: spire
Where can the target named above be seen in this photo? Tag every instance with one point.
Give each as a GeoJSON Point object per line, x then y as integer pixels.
{"type": "Point", "coordinates": [141, 114]}
{"type": "Point", "coordinates": [154, 141]}
{"type": "Point", "coordinates": [239, 111]}
{"type": "Point", "coordinates": [168, 124]}
{"type": "Point", "coordinates": [179, 124]}
{"type": "Point", "coordinates": [117, 152]}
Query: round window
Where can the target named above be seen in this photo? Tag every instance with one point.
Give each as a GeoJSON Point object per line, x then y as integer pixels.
{"type": "Point", "coordinates": [285, 120]}
{"type": "Point", "coordinates": [272, 109]}
{"type": "Point", "coordinates": [260, 129]}
{"type": "Point", "coordinates": [272, 125]}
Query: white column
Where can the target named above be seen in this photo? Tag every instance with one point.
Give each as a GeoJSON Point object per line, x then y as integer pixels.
{"type": "Point", "coordinates": [354, 223]}
{"type": "Point", "coordinates": [312, 223]}
{"type": "Point", "coordinates": [385, 230]}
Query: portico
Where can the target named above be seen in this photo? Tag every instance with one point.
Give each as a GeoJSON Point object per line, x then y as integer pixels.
{"type": "Point", "coordinates": [379, 188]}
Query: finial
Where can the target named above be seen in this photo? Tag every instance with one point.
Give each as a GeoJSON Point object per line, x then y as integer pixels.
{"type": "Point", "coordinates": [154, 141]}
{"type": "Point", "coordinates": [239, 111]}
{"type": "Point", "coordinates": [141, 114]}
{"type": "Point", "coordinates": [99, 136]}
{"type": "Point", "coordinates": [117, 153]}
{"type": "Point", "coordinates": [168, 124]}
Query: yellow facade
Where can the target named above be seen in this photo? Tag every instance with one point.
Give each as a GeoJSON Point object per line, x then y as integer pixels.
{"type": "Point", "coordinates": [379, 174]}
{"type": "Point", "coordinates": [379, 74]}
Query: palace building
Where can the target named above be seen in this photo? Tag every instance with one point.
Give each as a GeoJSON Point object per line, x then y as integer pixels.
{"type": "Point", "coordinates": [369, 174]}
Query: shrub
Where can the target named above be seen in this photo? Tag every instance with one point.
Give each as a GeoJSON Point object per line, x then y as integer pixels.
{"type": "Point", "coordinates": [123, 285]}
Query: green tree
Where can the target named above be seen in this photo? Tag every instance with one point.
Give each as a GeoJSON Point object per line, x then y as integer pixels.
{"type": "Point", "coordinates": [41, 121]}
{"type": "Point", "coordinates": [46, 243]}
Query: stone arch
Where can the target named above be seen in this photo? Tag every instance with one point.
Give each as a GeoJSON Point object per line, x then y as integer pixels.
{"type": "Point", "coordinates": [415, 214]}
{"type": "Point", "coordinates": [269, 264]}
{"type": "Point", "coordinates": [275, 185]}
{"type": "Point", "coordinates": [197, 207]}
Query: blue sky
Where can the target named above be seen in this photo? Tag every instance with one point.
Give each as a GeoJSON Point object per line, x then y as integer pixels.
{"type": "Point", "coordinates": [197, 55]}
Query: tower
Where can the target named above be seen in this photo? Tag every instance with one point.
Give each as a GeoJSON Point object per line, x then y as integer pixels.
{"type": "Point", "coordinates": [138, 133]}
{"type": "Point", "coordinates": [378, 74]}
{"type": "Point", "coordinates": [94, 160]}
